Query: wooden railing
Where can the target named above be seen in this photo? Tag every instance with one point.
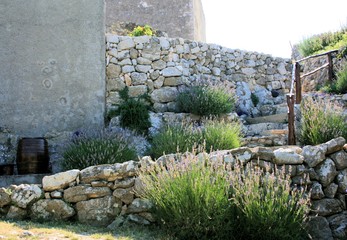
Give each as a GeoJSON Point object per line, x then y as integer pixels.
{"type": "Point", "coordinates": [297, 80]}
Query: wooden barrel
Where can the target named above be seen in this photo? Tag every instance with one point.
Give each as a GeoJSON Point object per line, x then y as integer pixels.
{"type": "Point", "coordinates": [6, 169]}
{"type": "Point", "coordinates": [32, 156]}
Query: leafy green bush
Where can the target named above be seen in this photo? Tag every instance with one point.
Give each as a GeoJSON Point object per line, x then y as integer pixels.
{"type": "Point", "coordinates": [141, 31]}
{"type": "Point", "coordinates": [89, 149]}
{"type": "Point", "coordinates": [181, 138]}
{"type": "Point", "coordinates": [206, 101]}
{"type": "Point", "coordinates": [174, 139]}
{"type": "Point", "coordinates": [221, 135]}
{"type": "Point", "coordinates": [254, 99]}
{"type": "Point", "coordinates": [323, 42]}
{"type": "Point", "coordinates": [270, 207]}
{"type": "Point", "coordinates": [321, 121]}
{"type": "Point", "coordinates": [202, 199]}
{"type": "Point", "coordinates": [341, 83]}
{"type": "Point", "coordinates": [134, 113]}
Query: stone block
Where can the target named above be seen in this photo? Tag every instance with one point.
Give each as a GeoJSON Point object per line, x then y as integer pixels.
{"type": "Point", "coordinates": [51, 209]}
{"type": "Point", "coordinates": [98, 212]}
{"type": "Point", "coordinates": [59, 180]}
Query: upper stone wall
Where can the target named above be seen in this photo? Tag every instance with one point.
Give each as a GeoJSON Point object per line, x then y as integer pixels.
{"type": "Point", "coordinates": [52, 61]}
{"type": "Point", "coordinates": [179, 18]}
{"type": "Point", "coordinates": [161, 66]}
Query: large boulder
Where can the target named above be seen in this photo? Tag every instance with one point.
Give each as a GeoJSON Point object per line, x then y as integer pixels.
{"type": "Point", "coordinates": [334, 145]}
{"type": "Point", "coordinates": [99, 211]}
{"type": "Point", "coordinates": [340, 159]}
{"type": "Point", "coordinates": [125, 195]}
{"type": "Point", "coordinates": [263, 153]}
{"type": "Point", "coordinates": [327, 207]}
{"type": "Point", "coordinates": [51, 209]}
{"type": "Point", "coordinates": [17, 213]}
{"type": "Point", "coordinates": [317, 191]}
{"type": "Point", "coordinates": [338, 225]}
{"type": "Point", "coordinates": [287, 156]}
{"type": "Point", "coordinates": [331, 190]}
{"type": "Point", "coordinates": [59, 180]}
{"type": "Point", "coordinates": [5, 197]}
{"type": "Point", "coordinates": [25, 194]}
{"type": "Point", "coordinates": [326, 172]}
{"type": "Point", "coordinates": [164, 95]}
{"type": "Point", "coordinates": [341, 180]}
{"type": "Point", "coordinates": [126, 183]}
{"type": "Point", "coordinates": [127, 43]}
{"type": "Point", "coordinates": [314, 155]}
{"type": "Point", "coordinates": [318, 228]}
{"type": "Point", "coordinates": [109, 172]}
{"type": "Point", "coordinates": [172, 72]}
{"type": "Point", "coordinates": [139, 205]}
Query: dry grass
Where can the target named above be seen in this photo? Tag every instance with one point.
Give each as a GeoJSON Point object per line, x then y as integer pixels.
{"type": "Point", "coordinates": [64, 230]}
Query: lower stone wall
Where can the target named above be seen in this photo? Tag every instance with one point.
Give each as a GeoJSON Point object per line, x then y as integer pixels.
{"type": "Point", "coordinates": [109, 195]}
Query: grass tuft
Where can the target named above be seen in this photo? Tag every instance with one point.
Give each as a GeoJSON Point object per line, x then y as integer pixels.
{"type": "Point", "coordinates": [212, 135]}
{"type": "Point", "coordinates": [204, 100]}
{"type": "Point", "coordinates": [321, 121]}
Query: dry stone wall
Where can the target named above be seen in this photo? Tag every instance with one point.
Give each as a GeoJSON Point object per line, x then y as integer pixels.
{"type": "Point", "coordinates": [163, 66]}
{"type": "Point", "coordinates": [109, 195]}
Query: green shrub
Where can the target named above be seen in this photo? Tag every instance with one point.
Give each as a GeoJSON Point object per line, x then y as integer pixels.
{"type": "Point", "coordinates": [221, 135]}
{"type": "Point", "coordinates": [181, 138]}
{"type": "Point", "coordinates": [341, 83]}
{"type": "Point", "coordinates": [174, 139]}
{"type": "Point", "coordinates": [323, 42]}
{"type": "Point", "coordinates": [321, 121]}
{"type": "Point", "coordinates": [141, 31]}
{"type": "Point", "coordinates": [190, 199]}
{"type": "Point", "coordinates": [206, 101]}
{"type": "Point", "coordinates": [134, 113]}
{"type": "Point", "coordinates": [201, 199]}
{"type": "Point", "coordinates": [96, 149]}
{"type": "Point", "coordinates": [309, 46]}
{"type": "Point", "coordinates": [270, 208]}
{"type": "Point", "coordinates": [255, 99]}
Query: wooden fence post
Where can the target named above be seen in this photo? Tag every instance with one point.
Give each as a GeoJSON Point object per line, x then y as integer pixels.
{"type": "Point", "coordinates": [291, 119]}
{"type": "Point", "coordinates": [330, 67]}
{"type": "Point", "coordinates": [298, 88]}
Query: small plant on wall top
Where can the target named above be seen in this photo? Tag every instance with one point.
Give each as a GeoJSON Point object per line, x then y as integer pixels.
{"type": "Point", "coordinates": [141, 31]}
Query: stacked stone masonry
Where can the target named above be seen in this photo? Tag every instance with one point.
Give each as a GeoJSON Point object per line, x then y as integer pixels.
{"type": "Point", "coordinates": [162, 66]}
{"type": "Point", "coordinates": [110, 195]}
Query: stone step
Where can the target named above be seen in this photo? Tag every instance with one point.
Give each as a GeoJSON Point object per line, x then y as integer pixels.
{"type": "Point", "coordinates": [265, 141]}
{"type": "Point", "coordinates": [269, 109]}
{"type": "Point", "coordinates": [263, 129]}
{"type": "Point", "coordinates": [275, 118]}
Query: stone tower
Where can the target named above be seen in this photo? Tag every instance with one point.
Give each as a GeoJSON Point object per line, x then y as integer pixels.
{"type": "Point", "coordinates": [178, 18]}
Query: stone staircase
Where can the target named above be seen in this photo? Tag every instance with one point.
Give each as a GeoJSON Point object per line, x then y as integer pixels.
{"type": "Point", "coordinates": [267, 130]}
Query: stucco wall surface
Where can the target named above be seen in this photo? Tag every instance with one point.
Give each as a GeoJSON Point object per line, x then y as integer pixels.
{"type": "Point", "coordinates": [52, 61]}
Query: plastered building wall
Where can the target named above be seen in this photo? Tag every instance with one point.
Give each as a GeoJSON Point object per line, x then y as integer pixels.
{"type": "Point", "coordinates": [52, 61]}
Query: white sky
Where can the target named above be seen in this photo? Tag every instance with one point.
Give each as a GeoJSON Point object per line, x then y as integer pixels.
{"type": "Point", "coordinates": [268, 26]}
